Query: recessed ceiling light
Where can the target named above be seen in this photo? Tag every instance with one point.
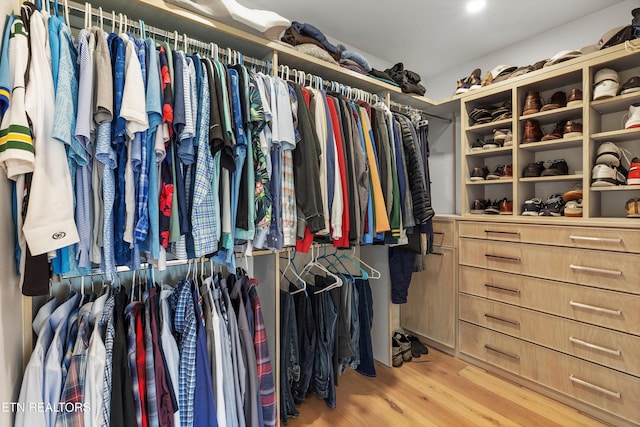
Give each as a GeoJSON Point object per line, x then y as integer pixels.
{"type": "Point", "coordinates": [475, 6]}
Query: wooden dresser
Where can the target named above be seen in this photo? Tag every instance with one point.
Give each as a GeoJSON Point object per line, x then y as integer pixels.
{"type": "Point", "coordinates": [556, 306]}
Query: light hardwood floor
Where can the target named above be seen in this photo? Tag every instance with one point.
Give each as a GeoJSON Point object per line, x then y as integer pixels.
{"type": "Point", "coordinates": [435, 390]}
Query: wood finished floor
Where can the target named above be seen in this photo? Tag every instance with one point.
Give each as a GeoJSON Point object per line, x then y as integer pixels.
{"type": "Point", "coordinates": [436, 390]}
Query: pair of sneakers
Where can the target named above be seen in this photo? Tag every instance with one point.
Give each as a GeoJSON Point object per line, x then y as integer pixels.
{"type": "Point", "coordinates": [405, 348]}
{"type": "Point", "coordinates": [469, 83]}
{"type": "Point", "coordinates": [554, 206]}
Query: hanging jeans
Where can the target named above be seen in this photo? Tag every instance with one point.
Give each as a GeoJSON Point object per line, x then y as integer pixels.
{"type": "Point", "coordinates": [307, 337]}
{"type": "Point", "coordinates": [289, 361]}
{"type": "Point", "coordinates": [326, 321]}
{"type": "Point", "coordinates": [354, 361]}
{"type": "Point", "coordinates": [365, 309]}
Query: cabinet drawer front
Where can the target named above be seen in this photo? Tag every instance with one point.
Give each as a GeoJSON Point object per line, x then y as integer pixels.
{"type": "Point", "coordinates": [609, 239]}
{"type": "Point", "coordinates": [609, 348]}
{"type": "Point", "coordinates": [429, 310]}
{"type": "Point", "coordinates": [609, 270]}
{"type": "Point", "coordinates": [443, 233]}
{"type": "Point", "coordinates": [596, 385]}
{"type": "Point", "coordinates": [610, 309]}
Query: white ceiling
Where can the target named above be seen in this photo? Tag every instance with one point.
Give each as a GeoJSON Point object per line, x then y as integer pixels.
{"type": "Point", "coordinates": [431, 36]}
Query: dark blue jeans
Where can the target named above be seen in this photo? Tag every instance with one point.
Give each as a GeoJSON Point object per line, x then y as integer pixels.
{"type": "Point", "coordinates": [289, 361]}
{"type": "Point", "coordinates": [306, 345]}
{"type": "Point", "coordinates": [326, 317]}
{"type": "Point", "coordinates": [365, 310]}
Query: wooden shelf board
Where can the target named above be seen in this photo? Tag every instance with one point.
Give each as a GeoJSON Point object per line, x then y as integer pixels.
{"type": "Point", "coordinates": [558, 113]}
{"type": "Point", "coordinates": [617, 103]}
{"type": "Point", "coordinates": [555, 144]}
{"type": "Point", "coordinates": [617, 188]}
{"type": "Point", "coordinates": [617, 135]}
{"type": "Point", "coordinates": [491, 181]}
{"type": "Point", "coordinates": [574, 177]}
{"type": "Point", "coordinates": [490, 152]}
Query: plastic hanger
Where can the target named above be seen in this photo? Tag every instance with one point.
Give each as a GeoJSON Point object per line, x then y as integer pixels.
{"type": "Point", "coordinates": [291, 267]}
{"type": "Point", "coordinates": [375, 274]}
{"type": "Point", "coordinates": [314, 264]}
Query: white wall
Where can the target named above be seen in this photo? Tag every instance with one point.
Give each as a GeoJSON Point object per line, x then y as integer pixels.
{"type": "Point", "coordinates": [445, 157]}
{"type": "Point", "coordinates": [574, 35]}
{"type": "Point", "coordinates": [10, 297]}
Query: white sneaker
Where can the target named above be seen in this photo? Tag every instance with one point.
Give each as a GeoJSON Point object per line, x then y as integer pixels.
{"type": "Point", "coordinates": [634, 117]}
{"type": "Point", "coordinates": [606, 176]}
{"type": "Point", "coordinates": [610, 154]}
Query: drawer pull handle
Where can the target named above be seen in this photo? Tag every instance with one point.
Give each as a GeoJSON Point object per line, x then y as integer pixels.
{"type": "Point", "coordinates": [495, 350]}
{"type": "Point", "coordinates": [499, 288]}
{"type": "Point", "coordinates": [594, 346]}
{"type": "Point", "coordinates": [595, 387]}
{"type": "Point", "coordinates": [595, 239]}
{"type": "Point", "coordinates": [594, 308]}
{"type": "Point", "coordinates": [500, 319]}
{"type": "Point", "coordinates": [595, 270]}
{"type": "Point", "coordinates": [439, 232]}
{"type": "Point", "coordinates": [437, 253]}
{"type": "Point", "coordinates": [511, 233]}
{"type": "Point", "coordinates": [504, 258]}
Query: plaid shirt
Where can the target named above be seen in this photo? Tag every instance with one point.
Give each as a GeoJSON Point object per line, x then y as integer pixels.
{"type": "Point", "coordinates": [106, 322]}
{"type": "Point", "coordinates": [289, 213]}
{"type": "Point", "coordinates": [203, 213]}
{"type": "Point", "coordinates": [184, 323]}
{"type": "Point", "coordinates": [131, 355]}
{"type": "Point", "coordinates": [265, 374]}
{"type": "Point", "coordinates": [73, 390]}
{"type": "Point", "coordinates": [72, 333]}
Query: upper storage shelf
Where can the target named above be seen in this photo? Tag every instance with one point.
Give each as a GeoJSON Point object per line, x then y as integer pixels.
{"type": "Point", "coordinates": [254, 44]}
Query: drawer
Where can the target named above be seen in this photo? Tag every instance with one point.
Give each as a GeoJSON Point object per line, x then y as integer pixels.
{"type": "Point", "coordinates": [443, 233]}
{"type": "Point", "coordinates": [430, 307]}
{"type": "Point", "coordinates": [609, 239]}
{"type": "Point", "coordinates": [593, 384]}
{"type": "Point", "coordinates": [609, 309]}
{"type": "Point", "coordinates": [609, 348]}
{"type": "Point", "coordinates": [609, 270]}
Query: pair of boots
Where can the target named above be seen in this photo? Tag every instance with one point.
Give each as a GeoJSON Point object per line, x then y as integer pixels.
{"type": "Point", "coordinates": [405, 348]}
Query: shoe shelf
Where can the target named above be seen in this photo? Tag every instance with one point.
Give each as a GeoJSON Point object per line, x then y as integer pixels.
{"type": "Point", "coordinates": [554, 144]}
{"type": "Point", "coordinates": [491, 125]}
{"type": "Point", "coordinates": [491, 182]}
{"type": "Point", "coordinates": [617, 188]}
{"type": "Point", "coordinates": [573, 177]}
{"type": "Point", "coordinates": [620, 135]}
{"type": "Point", "coordinates": [489, 152]}
{"type": "Point", "coordinates": [556, 115]}
{"type": "Point", "coordinates": [616, 103]}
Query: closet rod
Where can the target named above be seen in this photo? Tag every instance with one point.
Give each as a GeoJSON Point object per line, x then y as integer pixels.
{"type": "Point", "coordinates": [410, 108]}
{"type": "Point", "coordinates": [79, 11]}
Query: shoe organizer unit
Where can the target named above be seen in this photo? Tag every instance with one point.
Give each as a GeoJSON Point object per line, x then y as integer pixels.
{"type": "Point", "coordinates": [482, 119]}
{"type": "Point", "coordinates": [557, 131]}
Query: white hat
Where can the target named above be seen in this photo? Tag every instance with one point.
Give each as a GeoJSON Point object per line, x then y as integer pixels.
{"type": "Point", "coordinates": [605, 74]}
{"type": "Point", "coordinates": [605, 89]}
{"type": "Point", "coordinates": [563, 55]}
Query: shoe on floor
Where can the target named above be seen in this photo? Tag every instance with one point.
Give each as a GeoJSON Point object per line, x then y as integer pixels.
{"type": "Point", "coordinates": [396, 358]}
{"type": "Point", "coordinates": [415, 343]}
{"type": "Point", "coordinates": [405, 346]}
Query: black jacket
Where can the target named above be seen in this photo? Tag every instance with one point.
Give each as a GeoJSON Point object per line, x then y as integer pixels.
{"type": "Point", "coordinates": [416, 170]}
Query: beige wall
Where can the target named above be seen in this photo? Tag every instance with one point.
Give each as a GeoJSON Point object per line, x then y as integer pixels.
{"type": "Point", "coordinates": [10, 297]}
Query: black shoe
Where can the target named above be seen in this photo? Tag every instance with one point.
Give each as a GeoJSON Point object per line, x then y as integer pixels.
{"type": "Point", "coordinates": [554, 206]}
{"type": "Point", "coordinates": [415, 343]}
{"type": "Point", "coordinates": [533, 170]}
{"type": "Point", "coordinates": [492, 208]}
{"type": "Point", "coordinates": [557, 167]}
